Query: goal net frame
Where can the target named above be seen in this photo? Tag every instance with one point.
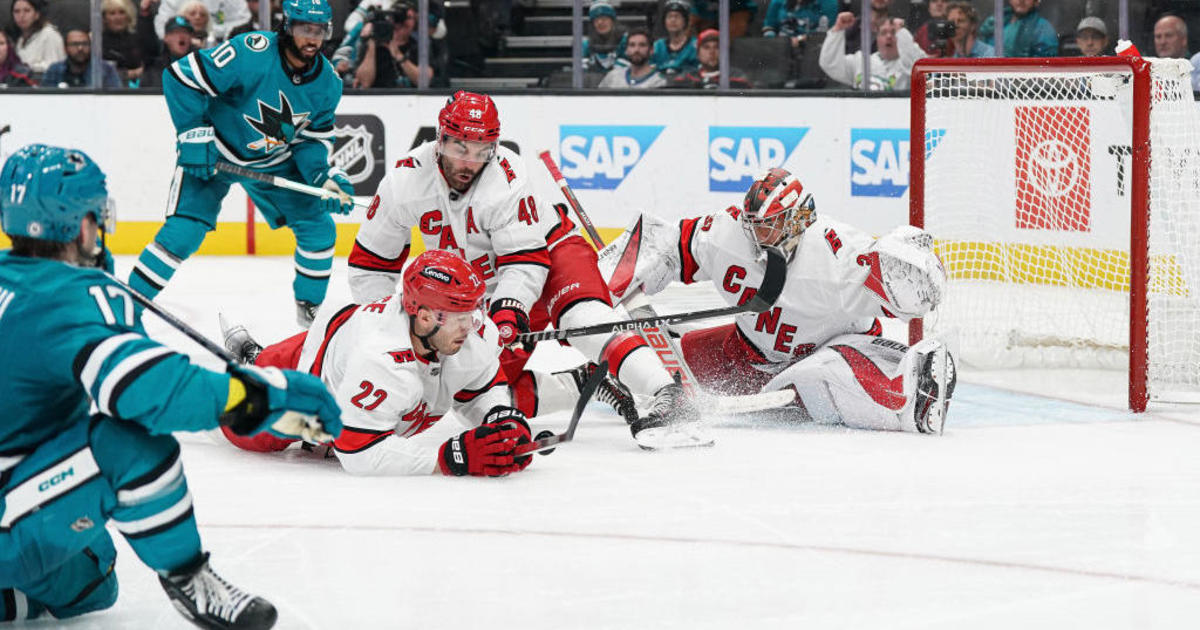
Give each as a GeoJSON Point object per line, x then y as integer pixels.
{"type": "Point", "coordinates": [1139, 190]}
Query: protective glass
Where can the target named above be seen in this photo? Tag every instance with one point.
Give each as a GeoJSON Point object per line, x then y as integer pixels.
{"type": "Point", "coordinates": [311, 30]}
{"type": "Point", "coordinates": [461, 320]}
{"type": "Point", "coordinates": [466, 150]}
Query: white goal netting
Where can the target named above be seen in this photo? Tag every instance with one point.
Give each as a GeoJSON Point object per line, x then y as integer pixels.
{"type": "Point", "coordinates": [1029, 184]}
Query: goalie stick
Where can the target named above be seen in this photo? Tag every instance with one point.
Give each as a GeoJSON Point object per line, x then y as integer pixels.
{"type": "Point", "coordinates": [585, 394]}
{"type": "Point", "coordinates": [283, 182]}
{"type": "Point", "coordinates": [772, 285]}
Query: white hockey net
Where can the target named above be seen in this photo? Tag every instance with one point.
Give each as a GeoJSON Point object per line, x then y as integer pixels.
{"type": "Point", "coordinates": [1028, 188]}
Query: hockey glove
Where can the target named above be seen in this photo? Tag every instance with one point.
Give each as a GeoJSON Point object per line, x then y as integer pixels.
{"type": "Point", "coordinates": [485, 451]}
{"type": "Point", "coordinates": [198, 152]}
{"type": "Point", "coordinates": [339, 184]}
{"type": "Point", "coordinates": [512, 418]}
{"type": "Point", "coordinates": [286, 403]}
{"type": "Point", "coordinates": [510, 318]}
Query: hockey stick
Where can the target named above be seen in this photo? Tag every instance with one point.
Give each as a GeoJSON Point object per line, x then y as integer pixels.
{"type": "Point", "coordinates": [178, 324]}
{"type": "Point", "coordinates": [585, 394]}
{"type": "Point", "coordinates": [772, 285]}
{"type": "Point", "coordinates": [283, 182]}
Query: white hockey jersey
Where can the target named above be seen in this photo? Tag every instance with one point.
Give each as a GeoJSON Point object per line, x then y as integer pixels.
{"type": "Point", "coordinates": [494, 225]}
{"type": "Point", "coordinates": [832, 286]}
{"type": "Point", "coordinates": [388, 392]}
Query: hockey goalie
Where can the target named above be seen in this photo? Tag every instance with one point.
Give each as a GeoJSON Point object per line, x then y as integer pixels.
{"type": "Point", "coordinates": [822, 337]}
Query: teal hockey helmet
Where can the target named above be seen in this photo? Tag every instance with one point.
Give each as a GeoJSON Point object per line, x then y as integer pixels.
{"type": "Point", "coordinates": [46, 191]}
{"type": "Point", "coordinates": [308, 12]}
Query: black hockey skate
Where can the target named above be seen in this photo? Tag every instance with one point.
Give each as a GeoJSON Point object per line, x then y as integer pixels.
{"type": "Point", "coordinates": [673, 421]}
{"type": "Point", "coordinates": [935, 375]}
{"type": "Point", "coordinates": [208, 601]}
{"type": "Point", "coordinates": [611, 391]}
{"type": "Point", "coordinates": [239, 343]}
{"type": "Point", "coordinates": [306, 312]}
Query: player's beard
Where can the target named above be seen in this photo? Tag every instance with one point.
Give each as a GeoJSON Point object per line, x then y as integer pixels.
{"type": "Point", "coordinates": [460, 178]}
{"type": "Point", "coordinates": [298, 53]}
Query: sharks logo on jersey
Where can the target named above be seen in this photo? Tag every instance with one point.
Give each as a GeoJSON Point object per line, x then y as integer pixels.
{"type": "Point", "coordinates": [277, 126]}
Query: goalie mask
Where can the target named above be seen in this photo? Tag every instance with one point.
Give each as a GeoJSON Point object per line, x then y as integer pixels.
{"type": "Point", "coordinates": [776, 211]}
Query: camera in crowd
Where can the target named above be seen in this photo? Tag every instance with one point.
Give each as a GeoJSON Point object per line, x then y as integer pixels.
{"type": "Point", "coordinates": [383, 22]}
{"type": "Point", "coordinates": [941, 33]}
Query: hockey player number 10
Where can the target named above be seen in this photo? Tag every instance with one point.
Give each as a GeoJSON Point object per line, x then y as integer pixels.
{"type": "Point", "coordinates": [106, 310]}
{"type": "Point", "coordinates": [223, 54]}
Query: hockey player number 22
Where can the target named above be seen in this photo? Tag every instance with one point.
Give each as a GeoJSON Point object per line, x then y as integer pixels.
{"type": "Point", "coordinates": [368, 389]}
{"type": "Point", "coordinates": [106, 310]}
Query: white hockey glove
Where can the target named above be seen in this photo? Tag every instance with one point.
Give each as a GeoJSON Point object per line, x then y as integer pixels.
{"type": "Point", "coordinates": [913, 276]}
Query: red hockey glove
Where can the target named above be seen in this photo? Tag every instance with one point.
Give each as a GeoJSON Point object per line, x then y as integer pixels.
{"type": "Point", "coordinates": [510, 319]}
{"type": "Point", "coordinates": [511, 418]}
{"type": "Point", "coordinates": [485, 451]}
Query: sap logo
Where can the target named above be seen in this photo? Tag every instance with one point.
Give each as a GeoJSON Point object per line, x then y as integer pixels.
{"type": "Point", "coordinates": [599, 156]}
{"type": "Point", "coordinates": [56, 479]}
{"type": "Point", "coordinates": [736, 155]}
{"type": "Point", "coordinates": [879, 160]}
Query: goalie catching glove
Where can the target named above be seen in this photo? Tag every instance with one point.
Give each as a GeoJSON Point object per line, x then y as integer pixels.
{"type": "Point", "coordinates": [286, 403]}
{"type": "Point", "coordinates": [911, 278]}
{"type": "Point", "coordinates": [487, 450]}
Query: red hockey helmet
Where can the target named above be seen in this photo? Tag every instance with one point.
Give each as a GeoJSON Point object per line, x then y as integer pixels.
{"type": "Point", "coordinates": [776, 211]}
{"type": "Point", "coordinates": [442, 281]}
{"type": "Point", "coordinates": [470, 116]}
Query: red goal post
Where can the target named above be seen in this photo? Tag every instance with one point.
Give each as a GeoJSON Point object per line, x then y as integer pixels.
{"type": "Point", "coordinates": [1008, 172]}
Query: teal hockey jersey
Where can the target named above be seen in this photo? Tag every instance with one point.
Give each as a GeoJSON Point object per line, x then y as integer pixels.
{"type": "Point", "coordinates": [72, 344]}
{"type": "Point", "coordinates": [263, 112]}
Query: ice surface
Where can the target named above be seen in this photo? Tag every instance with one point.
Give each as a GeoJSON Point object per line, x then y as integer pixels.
{"type": "Point", "coordinates": [1051, 508]}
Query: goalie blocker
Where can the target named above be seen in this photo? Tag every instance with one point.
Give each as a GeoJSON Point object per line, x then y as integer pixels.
{"type": "Point", "coordinates": [821, 337]}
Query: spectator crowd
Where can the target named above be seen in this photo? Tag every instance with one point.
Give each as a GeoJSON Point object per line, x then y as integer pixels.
{"type": "Point", "coordinates": [675, 43]}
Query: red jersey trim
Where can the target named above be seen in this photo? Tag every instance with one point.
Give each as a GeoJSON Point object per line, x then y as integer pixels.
{"type": "Point", "coordinates": [354, 440]}
{"type": "Point", "coordinates": [467, 395]}
{"type": "Point", "coordinates": [363, 258]}
{"type": "Point", "coordinates": [331, 329]}
{"type": "Point", "coordinates": [539, 257]}
{"type": "Point", "coordinates": [689, 266]}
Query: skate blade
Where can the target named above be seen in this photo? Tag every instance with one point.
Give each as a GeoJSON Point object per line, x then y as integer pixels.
{"type": "Point", "coordinates": [672, 437]}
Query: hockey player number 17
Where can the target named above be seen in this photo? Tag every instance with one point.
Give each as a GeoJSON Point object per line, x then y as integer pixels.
{"type": "Point", "coordinates": [17, 195]}
{"type": "Point", "coordinates": [106, 310]}
{"type": "Point", "coordinates": [223, 54]}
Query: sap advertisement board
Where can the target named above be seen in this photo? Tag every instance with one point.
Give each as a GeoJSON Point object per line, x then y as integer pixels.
{"type": "Point", "coordinates": [674, 156]}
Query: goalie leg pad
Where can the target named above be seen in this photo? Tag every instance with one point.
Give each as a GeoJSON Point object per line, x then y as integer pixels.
{"type": "Point", "coordinates": [854, 380]}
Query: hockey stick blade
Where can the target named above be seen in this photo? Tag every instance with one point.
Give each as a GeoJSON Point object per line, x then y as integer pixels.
{"type": "Point", "coordinates": [585, 395]}
{"type": "Point", "coordinates": [772, 285]}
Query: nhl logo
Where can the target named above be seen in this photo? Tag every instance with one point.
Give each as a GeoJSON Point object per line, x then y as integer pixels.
{"type": "Point", "coordinates": [358, 150]}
